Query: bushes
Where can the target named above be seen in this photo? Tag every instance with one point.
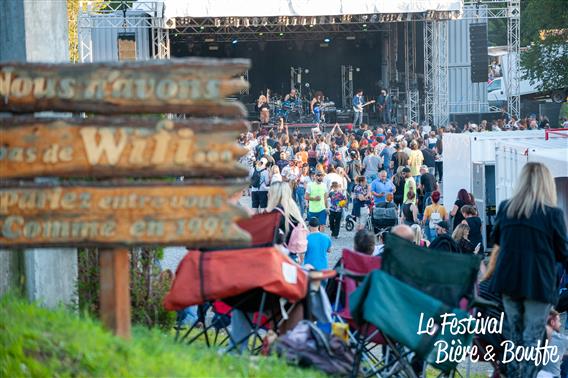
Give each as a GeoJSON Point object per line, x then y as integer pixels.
{"type": "Point", "coordinates": [148, 286]}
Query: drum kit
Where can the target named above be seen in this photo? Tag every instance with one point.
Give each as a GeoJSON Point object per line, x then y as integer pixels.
{"type": "Point", "coordinates": [296, 111]}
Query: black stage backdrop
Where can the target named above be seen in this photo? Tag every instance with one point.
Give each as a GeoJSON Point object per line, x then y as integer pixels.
{"type": "Point", "coordinates": [271, 62]}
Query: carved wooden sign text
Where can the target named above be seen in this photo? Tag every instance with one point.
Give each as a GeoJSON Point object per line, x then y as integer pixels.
{"type": "Point", "coordinates": [116, 147]}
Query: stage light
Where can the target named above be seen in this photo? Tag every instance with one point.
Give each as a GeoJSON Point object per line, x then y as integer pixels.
{"type": "Point", "coordinates": [202, 27]}
{"type": "Point", "coordinates": [260, 33]}
{"type": "Point", "coordinates": [264, 21]}
{"type": "Point", "coordinates": [332, 20]}
{"type": "Point", "coordinates": [234, 41]}
{"type": "Point", "coordinates": [327, 40]}
{"type": "Point", "coordinates": [311, 26]}
{"type": "Point", "coordinates": [209, 39]}
{"type": "Point", "coordinates": [217, 22]}
{"type": "Point", "coordinates": [237, 22]}
{"type": "Point", "coordinates": [313, 21]}
{"type": "Point", "coordinates": [255, 22]}
{"type": "Point", "coordinates": [213, 48]}
{"type": "Point", "coordinates": [322, 20]}
{"type": "Point", "coordinates": [294, 21]}
{"type": "Point", "coordinates": [357, 69]}
{"type": "Point", "coordinates": [374, 18]}
{"type": "Point", "coordinates": [364, 25]}
{"type": "Point", "coordinates": [350, 38]}
{"type": "Point", "coordinates": [306, 71]}
{"type": "Point", "coordinates": [246, 22]}
{"type": "Point", "coordinates": [280, 34]}
{"type": "Point", "coordinates": [364, 17]}
{"type": "Point", "coordinates": [304, 21]}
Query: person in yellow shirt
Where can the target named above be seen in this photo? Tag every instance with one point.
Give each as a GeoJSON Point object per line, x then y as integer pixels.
{"type": "Point", "coordinates": [434, 214]}
{"type": "Point", "coordinates": [415, 159]}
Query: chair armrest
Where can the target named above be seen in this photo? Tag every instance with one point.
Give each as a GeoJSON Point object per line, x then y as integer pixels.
{"type": "Point", "coordinates": [354, 275]}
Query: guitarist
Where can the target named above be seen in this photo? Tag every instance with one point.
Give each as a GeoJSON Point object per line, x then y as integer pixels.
{"type": "Point", "coordinates": [358, 102]}
{"type": "Point", "coordinates": [384, 105]}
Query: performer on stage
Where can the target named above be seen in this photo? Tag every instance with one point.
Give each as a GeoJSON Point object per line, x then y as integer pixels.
{"type": "Point", "coordinates": [263, 109]}
{"type": "Point", "coordinates": [358, 102]}
{"type": "Point", "coordinates": [384, 106]}
{"type": "Point", "coordinates": [315, 106]}
{"type": "Point", "coordinates": [292, 96]}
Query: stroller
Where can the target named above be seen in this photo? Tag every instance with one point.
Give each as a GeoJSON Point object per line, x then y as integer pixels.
{"type": "Point", "coordinates": [384, 216]}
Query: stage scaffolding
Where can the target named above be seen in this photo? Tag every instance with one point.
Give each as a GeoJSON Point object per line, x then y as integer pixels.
{"type": "Point", "coordinates": [435, 102]}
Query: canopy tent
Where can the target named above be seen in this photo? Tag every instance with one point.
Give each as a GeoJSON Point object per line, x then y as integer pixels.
{"type": "Point", "coordinates": [276, 8]}
{"type": "Point", "coordinates": [556, 159]}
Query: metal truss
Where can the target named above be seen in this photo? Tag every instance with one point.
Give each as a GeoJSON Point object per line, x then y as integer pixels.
{"type": "Point", "coordinates": [245, 77]}
{"type": "Point", "coordinates": [513, 63]}
{"type": "Point", "coordinates": [346, 86]}
{"type": "Point", "coordinates": [436, 104]}
{"type": "Point", "coordinates": [275, 32]}
{"type": "Point", "coordinates": [296, 79]}
{"type": "Point", "coordinates": [410, 78]}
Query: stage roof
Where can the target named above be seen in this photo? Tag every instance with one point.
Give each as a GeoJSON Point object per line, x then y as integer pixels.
{"type": "Point", "coordinates": [277, 8]}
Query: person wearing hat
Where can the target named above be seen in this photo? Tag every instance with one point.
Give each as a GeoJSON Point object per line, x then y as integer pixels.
{"type": "Point", "coordinates": [260, 181]}
{"type": "Point", "coordinates": [434, 214]}
{"type": "Point", "coordinates": [444, 241]}
{"type": "Point", "coordinates": [319, 245]}
{"type": "Point", "coordinates": [316, 195]}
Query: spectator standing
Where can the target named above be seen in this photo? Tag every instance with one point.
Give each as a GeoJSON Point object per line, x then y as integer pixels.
{"type": "Point", "coordinates": [260, 181]}
{"type": "Point", "coordinates": [316, 195]}
{"type": "Point", "coordinates": [415, 160]}
{"type": "Point", "coordinates": [427, 184]}
{"type": "Point", "coordinates": [474, 222]}
{"type": "Point", "coordinates": [463, 199]}
{"type": "Point", "coordinates": [337, 201]}
{"type": "Point", "coordinates": [409, 210]}
{"type": "Point", "coordinates": [361, 202]}
{"type": "Point", "coordinates": [386, 156]}
{"type": "Point", "coordinates": [371, 164]}
{"type": "Point", "coordinates": [409, 183]}
{"type": "Point", "coordinates": [319, 245]}
{"type": "Point", "coordinates": [433, 214]}
{"type": "Point", "coordinates": [531, 234]}
{"type": "Point", "coordinates": [380, 187]}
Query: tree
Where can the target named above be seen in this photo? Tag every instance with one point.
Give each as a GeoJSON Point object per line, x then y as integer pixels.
{"type": "Point", "coordinates": [544, 31]}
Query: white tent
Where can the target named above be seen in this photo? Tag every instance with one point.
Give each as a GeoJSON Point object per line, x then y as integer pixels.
{"type": "Point", "coordinates": [275, 8]}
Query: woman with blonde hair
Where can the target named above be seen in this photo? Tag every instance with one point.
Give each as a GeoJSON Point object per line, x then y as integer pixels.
{"type": "Point", "coordinates": [461, 237]}
{"type": "Point", "coordinates": [263, 109]}
{"type": "Point", "coordinates": [418, 236]}
{"type": "Point", "coordinates": [530, 232]}
{"type": "Point", "coordinates": [280, 199]}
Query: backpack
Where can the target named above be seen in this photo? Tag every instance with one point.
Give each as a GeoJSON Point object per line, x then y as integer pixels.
{"type": "Point", "coordinates": [298, 242]}
{"type": "Point", "coordinates": [435, 218]}
{"type": "Point", "coordinates": [307, 345]}
{"type": "Point", "coordinates": [255, 180]}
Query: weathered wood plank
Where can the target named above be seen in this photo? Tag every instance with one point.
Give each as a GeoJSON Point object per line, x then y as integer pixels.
{"type": "Point", "coordinates": [118, 146]}
{"type": "Point", "coordinates": [115, 291]}
{"type": "Point", "coordinates": [195, 214]}
{"type": "Point", "coordinates": [192, 86]}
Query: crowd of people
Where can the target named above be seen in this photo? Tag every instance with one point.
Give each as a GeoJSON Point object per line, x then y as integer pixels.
{"type": "Point", "coordinates": [322, 177]}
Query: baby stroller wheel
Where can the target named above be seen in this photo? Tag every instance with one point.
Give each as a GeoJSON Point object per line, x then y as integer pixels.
{"type": "Point", "coordinates": [349, 224]}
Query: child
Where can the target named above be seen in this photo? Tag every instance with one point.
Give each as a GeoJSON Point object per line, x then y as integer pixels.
{"type": "Point", "coordinates": [319, 245]}
{"type": "Point", "coordinates": [474, 222]}
{"type": "Point", "coordinates": [337, 202]}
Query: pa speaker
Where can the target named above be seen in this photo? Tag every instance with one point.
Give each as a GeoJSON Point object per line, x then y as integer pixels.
{"type": "Point", "coordinates": [478, 52]}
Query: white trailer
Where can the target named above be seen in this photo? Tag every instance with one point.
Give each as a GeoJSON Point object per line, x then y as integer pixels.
{"type": "Point", "coordinates": [469, 163]}
{"type": "Point", "coordinates": [512, 157]}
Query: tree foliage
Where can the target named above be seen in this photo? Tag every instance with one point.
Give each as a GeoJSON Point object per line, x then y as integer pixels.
{"type": "Point", "coordinates": [544, 30]}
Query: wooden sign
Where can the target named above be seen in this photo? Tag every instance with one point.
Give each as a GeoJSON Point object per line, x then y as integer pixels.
{"type": "Point", "coordinates": [195, 86]}
{"type": "Point", "coordinates": [189, 214]}
{"type": "Point", "coordinates": [104, 147]}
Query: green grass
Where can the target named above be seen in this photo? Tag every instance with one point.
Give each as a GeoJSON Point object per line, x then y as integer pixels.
{"type": "Point", "coordinates": [42, 343]}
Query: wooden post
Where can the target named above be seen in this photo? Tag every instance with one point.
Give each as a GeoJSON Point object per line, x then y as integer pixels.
{"type": "Point", "coordinates": [115, 290]}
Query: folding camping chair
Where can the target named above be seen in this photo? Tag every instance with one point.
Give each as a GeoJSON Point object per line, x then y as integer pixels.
{"type": "Point", "coordinates": [431, 279]}
{"type": "Point", "coordinates": [354, 267]}
{"type": "Point", "coordinates": [263, 229]}
{"type": "Point", "coordinates": [251, 280]}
